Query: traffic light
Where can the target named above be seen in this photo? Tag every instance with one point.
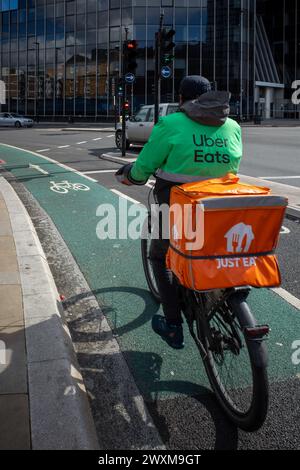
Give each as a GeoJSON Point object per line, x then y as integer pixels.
{"type": "Point", "coordinates": [126, 107]}
{"type": "Point", "coordinates": [130, 55]}
{"type": "Point", "coordinates": [166, 46]}
{"type": "Point", "coordinates": [120, 88]}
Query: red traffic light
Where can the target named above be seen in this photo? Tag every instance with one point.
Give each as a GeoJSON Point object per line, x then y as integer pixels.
{"type": "Point", "coordinates": [126, 106]}
{"type": "Point", "coordinates": [132, 44]}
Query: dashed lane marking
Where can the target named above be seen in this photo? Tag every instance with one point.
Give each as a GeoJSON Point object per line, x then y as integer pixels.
{"type": "Point", "coordinates": [63, 146]}
{"type": "Point", "coordinates": [98, 171]}
{"type": "Point", "coordinates": [98, 138]}
{"type": "Point", "coordinates": [42, 150]}
{"type": "Point", "coordinates": [109, 136]}
{"type": "Point", "coordinates": [83, 142]}
{"type": "Point", "coordinates": [279, 177]}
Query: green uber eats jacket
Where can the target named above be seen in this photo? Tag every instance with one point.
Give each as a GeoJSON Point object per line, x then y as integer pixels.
{"type": "Point", "coordinates": [199, 142]}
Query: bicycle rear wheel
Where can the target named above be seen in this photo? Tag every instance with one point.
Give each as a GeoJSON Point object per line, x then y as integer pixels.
{"type": "Point", "coordinates": [236, 365]}
{"type": "Point", "coordinates": [147, 264]}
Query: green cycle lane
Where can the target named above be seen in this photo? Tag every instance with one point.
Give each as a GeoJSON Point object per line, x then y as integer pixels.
{"type": "Point", "coordinates": [114, 272]}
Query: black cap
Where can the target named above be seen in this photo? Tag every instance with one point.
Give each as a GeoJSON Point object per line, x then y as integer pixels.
{"type": "Point", "coordinates": [193, 86]}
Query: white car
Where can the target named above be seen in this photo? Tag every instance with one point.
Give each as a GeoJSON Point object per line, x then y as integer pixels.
{"type": "Point", "coordinates": [139, 126]}
{"type": "Point", "coordinates": [15, 120]}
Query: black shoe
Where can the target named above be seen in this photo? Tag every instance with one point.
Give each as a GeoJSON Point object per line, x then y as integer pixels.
{"type": "Point", "coordinates": [172, 334]}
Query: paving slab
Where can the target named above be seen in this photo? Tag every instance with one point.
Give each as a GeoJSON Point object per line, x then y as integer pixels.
{"type": "Point", "coordinates": [26, 244]}
{"type": "Point", "coordinates": [11, 306]}
{"type": "Point", "coordinates": [7, 255]}
{"type": "Point", "coordinates": [44, 339]}
{"type": "Point", "coordinates": [14, 422]}
{"type": "Point", "coordinates": [5, 227]}
{"type": "Point", "coordinates": [9, 278]}
{"type": "Point", "coordinates": [61, 385]}
{"type": "Point", "coordinates": [13, 373]}
{"type": "Point", "coordinates": [34, 276]}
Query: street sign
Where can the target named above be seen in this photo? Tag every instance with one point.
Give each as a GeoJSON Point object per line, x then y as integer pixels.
{"type": "Point", "coordinates": [166, 71]}
{"type": "Point", "coordinates": [130, 78]}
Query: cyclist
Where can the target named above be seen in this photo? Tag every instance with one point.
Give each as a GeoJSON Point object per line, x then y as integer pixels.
{"type": "Point", "coordinates": [199, 142]}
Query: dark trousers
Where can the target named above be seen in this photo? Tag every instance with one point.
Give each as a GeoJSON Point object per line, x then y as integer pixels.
{"type": "Point", "coordinates": [166, 282]}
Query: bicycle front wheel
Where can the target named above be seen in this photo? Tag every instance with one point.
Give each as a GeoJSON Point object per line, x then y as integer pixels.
{"type": "Point", "coordinates": [236, 365]}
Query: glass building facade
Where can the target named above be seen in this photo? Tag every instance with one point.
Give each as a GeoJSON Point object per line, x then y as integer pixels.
{"type": "Point", "coordinates": [282, 23]}
{"type": "Point", "coordinates": [63, 57]}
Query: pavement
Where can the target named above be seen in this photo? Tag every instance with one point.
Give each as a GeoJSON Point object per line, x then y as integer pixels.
{"type": "Point", "coordinates": [43, 400]}
{"type": "Point", "coordinates": [274, 123]}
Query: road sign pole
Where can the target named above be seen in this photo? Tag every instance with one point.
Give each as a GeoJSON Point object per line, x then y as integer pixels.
{"type": "Point", "coordinates": [157, 70]}
{"type": "Point", "coordinates": [124, 59]}
{"type": "Point", "coordinates": [156, 79]}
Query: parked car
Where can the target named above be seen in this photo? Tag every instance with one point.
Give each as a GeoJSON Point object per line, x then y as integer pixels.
{"type": "Point", "coordinates": [15, 120]}
{"type": "Point", "coordinates": [139, 126]}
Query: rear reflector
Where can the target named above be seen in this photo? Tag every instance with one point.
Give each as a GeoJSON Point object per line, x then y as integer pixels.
{"type": "Point", "coordinates": [257, 331]}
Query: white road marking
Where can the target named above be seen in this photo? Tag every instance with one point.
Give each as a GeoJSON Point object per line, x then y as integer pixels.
{"type": "Point", "coordinates": [279, 177]}
{"type": "Point", "coordinates": [98, 138]}
{"type": "Point", "coordinates": [98, 171]}
{"type": "Point", "coordinates": [83, 142]}
{"type": "Point", "coordinates": [118, 193]}
{"type": "Point", "coordinates": [38, 168]}
{"type": "Point", "coordinates": [290, 298]}
{"type": "Point", "coordinates": [123, 160]}
{"type": "Point", "coordinates": [64, 187]}
{"type": "Point", "coordinates": [43, 150]}
{"type": "Point", "coordinates": [63, 146]}
{"type": "Point", "coordinates": [284, 231]}
{"type": "Point", "coordinates": [109, 136]}
{"type": "Point", "coordinates": [66, 167]}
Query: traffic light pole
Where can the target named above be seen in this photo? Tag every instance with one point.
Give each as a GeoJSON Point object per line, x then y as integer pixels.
{"type": "Point", "coordinates": [124, 97]}
{"type": "Point", "coordinates": [157, 70]}
{"type": "Point", "coordinates": [156, 78]}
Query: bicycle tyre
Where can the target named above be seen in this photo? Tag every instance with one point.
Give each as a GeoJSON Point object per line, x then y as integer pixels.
{"type": "Point", "coordinates": [145, 245]}
{"type": "Point", "coordinates": [255, 416]}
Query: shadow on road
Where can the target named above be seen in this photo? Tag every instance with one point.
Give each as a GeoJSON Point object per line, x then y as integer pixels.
{"type": "Point", "coordinates": [100, 369]}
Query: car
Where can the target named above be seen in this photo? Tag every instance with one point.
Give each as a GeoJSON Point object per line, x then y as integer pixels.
{"type": "Point", "coordinates": [139, 126]}
{"type": "Point", "coordinates": [15, 120]}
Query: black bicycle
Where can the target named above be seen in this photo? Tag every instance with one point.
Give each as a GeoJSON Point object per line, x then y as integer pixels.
{"type": "Point", "coordinates": [231, 344]}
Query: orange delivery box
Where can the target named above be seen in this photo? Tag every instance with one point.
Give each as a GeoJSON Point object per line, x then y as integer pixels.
{"type": "Point", "coordinates": [224, 233]}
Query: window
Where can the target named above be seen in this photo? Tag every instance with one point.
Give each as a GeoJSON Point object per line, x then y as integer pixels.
{"type": "Point", "coordinates": [172, 109]}
{"type": "Point", "coordinates": [141, 116]}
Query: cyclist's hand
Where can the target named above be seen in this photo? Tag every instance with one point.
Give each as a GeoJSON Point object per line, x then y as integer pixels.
{"type": "Point", "coordinates": [124, 177]}
{"type": "Point", "coordinates": [122, 173]}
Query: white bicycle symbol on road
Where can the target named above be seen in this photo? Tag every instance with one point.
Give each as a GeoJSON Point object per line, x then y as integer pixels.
{"type": "Point", "coordinates": [64, 187]}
